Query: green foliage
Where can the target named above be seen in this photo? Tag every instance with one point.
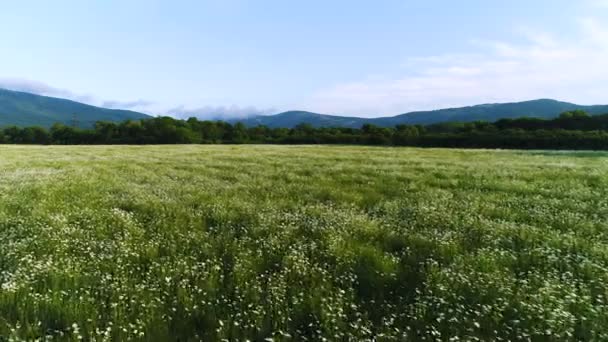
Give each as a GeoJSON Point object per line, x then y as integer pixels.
{"type": "Point", "coordinates": [574, 114]}
{"type": "Point", "coordinates": [573, 130]}
{"type": "Point", "coordinates": [162, 243]}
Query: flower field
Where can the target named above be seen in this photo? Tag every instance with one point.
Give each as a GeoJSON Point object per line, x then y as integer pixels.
{"type": "Point", "coordinates": [292, 243]}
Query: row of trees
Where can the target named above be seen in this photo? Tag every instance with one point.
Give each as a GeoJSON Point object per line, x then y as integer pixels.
{"type": "Point", "coordinates": [572, 130]}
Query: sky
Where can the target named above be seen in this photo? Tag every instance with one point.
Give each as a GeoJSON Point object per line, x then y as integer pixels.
{"type": "Point", "coordinates": [210, 58]}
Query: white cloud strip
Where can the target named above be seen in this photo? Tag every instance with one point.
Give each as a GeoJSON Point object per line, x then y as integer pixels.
{"type": "Point", "coordinates": [543, 67]}
{"type": "Point", "coordinates": [218, 112]}
{"type": "Point", "coordinates": [40, 88]}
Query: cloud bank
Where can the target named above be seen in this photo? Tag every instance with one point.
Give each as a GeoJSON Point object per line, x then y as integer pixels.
{"type": "Point", "coordinates": [127, 104]}
{"type": "Point", "coordinates": [541, 67]}
{"type": "Point", "coordinates": [218, 112]}
{"type": "Point", "coordinates": [41, 88]}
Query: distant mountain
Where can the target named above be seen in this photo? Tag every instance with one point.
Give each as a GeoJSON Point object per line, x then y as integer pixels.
{"type": "Point", "coordinates": [293, 118]}
{"type": "Point", "coordinates": [543, 108]}
{"type": "Point", "coordinates": [25, 109]}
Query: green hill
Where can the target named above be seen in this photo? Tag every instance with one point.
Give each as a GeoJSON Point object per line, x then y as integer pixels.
{"type": "Point", "coordinates": [25, 109]}
{"type": "Point", "coordinates": [293, 118]}
{"type": "Point", "coordinates": [543, 108]}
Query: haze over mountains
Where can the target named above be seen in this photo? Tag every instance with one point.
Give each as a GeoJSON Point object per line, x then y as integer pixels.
{"type": "Point", "coordinates": [25, 109]}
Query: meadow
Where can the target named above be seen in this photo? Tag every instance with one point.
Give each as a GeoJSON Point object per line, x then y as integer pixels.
{"type": "Point", "coordinates": [280, 243]}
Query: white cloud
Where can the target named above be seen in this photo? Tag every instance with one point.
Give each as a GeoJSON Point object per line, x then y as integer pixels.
{"type": "Point", "coordinates": [598, 3]}
{"type": "Point", "coordinates": [543, 67]}
{"type": "Point", "coordinates": [41, 88]}
{"type": "Point", "coordinates": [138, 104]}
{"type": "Point", "coordinates": [217, 112]}
{"type": "Point", "coordinates": [144, 106]}
{"type": "Point", "coordinates": [595, 32]}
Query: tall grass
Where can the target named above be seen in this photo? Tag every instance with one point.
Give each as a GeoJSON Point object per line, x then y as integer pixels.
{"type": "Point", "coordinates": [302, 243]}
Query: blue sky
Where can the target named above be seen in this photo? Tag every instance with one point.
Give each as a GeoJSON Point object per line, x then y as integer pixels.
{"type": "Point", "coordinates": [366, 58]}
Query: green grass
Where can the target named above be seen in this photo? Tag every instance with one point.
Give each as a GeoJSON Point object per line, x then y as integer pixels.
{"type": "Point", "coordinates": [344, 243]}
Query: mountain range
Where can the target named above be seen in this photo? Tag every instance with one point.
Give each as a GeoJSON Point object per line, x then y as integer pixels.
{"type": "Point", "coordinates": [25, 109]}
{"type": "Point", "coordinates": [543, 108]}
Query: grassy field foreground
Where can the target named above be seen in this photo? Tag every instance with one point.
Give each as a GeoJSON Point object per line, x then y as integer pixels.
{"type": "Point", "coordinates": [294, 243]}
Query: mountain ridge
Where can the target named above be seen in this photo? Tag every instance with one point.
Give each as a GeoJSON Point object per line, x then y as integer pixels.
{"type": "Point", "coordinates": [26, 109]}
{"type": "Point", "coordinates": [540, 108]}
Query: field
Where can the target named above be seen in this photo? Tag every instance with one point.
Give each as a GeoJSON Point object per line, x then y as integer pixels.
{"type": "Point", "coordinates": [286, 243]}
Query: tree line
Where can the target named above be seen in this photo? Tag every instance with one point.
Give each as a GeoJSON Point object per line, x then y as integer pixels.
{"type": "Point", "coordinates": [571, 130]}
